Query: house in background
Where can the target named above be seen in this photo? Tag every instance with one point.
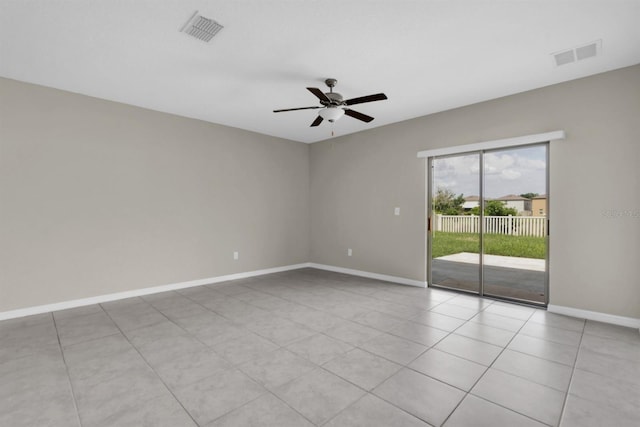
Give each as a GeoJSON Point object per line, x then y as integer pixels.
{"type": "Point", "coordinates": [539, 205]}
{"type": "Point", "coordinates": [519, 203]}
{"type": "Point", "coordinates": [471, 202]}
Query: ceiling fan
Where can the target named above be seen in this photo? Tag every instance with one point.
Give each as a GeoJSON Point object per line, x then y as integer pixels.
{"type": "Point", "coordinates": [334, 106]}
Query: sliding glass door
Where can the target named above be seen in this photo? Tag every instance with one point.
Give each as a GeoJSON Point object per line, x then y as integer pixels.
{"type": "Point", "coordinates": [488, 223]}
{"type": "Point", "coordinates": [515, 237]}
{"type": "Point", "coordinates": [455, 237]}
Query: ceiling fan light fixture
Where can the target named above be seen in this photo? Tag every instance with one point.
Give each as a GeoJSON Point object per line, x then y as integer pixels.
{"type": "Point", "coordinates": [333, 106]}
{"type": "Point", "coordinates": [331, 113]}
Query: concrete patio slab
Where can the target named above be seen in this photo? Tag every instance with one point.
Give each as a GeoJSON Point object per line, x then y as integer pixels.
{"type": "Point", "coordinates": [498, 261]}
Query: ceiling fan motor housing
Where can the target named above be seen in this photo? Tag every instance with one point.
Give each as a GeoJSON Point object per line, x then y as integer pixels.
{"type": "Point", "coordinates": [336, 98]}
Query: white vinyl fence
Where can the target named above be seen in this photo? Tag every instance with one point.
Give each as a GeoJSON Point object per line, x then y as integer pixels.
{"type": "Point", "coordinates": [511, 225]}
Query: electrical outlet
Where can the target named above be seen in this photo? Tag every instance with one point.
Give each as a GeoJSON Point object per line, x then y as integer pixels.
{"type": "Point", "coordinates": [236, 256]}
{"type": "Point", "coordinates": [396, 211]}
{"type": "Point", "coordinates": [349, 252]}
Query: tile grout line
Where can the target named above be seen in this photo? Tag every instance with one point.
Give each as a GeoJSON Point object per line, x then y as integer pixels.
{"type": "Point", "coordinates": [367, 392]}
{"type": "Point", "coordinates": [344, 409]}
{"type": "Point", "coordinates": [317, 366]}
{"type": "Point", "coordinates": [370, 392]}
{"type": "Point", "coordinates": [286, 403]}
{"type": "Point", "coordinates": [402, 366]}
{"type": "Point", "coordinates": [321, 367]}
{"type": "Point", "coordinates": [232, 365]}
{"type": "Point", "coordinates": [573, 371]}
{"type": "Point", "coordinates": [66, 367]}
{"type": "Point", "coordinates": [449, 333]}
{"type": "Point", "coordinates": [467, 393]}
{"type": "Point", "coordinates": [239, 407]}
{"type": "Point", "coordinates": [511, 410]}
{"type": "Point", "coordinates": [149, 365]}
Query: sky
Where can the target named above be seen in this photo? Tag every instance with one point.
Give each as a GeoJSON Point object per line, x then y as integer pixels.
{"type": "Point", "coordinates": [513, 171]}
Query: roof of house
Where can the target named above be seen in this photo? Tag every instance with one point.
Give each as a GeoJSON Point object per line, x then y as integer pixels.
{"type": "Point", "coordinates": [511, 198]}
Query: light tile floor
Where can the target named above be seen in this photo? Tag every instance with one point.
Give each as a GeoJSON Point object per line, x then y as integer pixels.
{"type": "Point", "coordinates": [310, 347]}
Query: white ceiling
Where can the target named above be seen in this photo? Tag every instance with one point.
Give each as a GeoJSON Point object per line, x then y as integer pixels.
{"type": "Point", "coordinates": [426, 55]}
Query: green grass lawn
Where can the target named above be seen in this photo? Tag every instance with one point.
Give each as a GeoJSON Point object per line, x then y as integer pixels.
{"type": "Point", "coordinates": [494, 244]}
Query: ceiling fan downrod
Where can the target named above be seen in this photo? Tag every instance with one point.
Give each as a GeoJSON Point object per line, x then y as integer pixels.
{"type": "Point", "coordinates": [331, 83]}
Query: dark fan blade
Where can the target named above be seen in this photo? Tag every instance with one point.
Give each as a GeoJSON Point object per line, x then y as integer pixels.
{"type": "Point", "coordinates": [363, 99]}
{"type": "Point", "coordinates": [317, 92]}
{"type": "Point", "coordinates": [357, 115]}
{"type": "Point", "coordinates": [294, 109]}
{"type": "Point", "coordinates": [317, 121]}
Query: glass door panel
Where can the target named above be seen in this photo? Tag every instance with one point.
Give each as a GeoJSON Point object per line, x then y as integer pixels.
{"type": "Point", "coordinates": [454, 224]}
{"type": "Point", "coordinates": [515, 223]}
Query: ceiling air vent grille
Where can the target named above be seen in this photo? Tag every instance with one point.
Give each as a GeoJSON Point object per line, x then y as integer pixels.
{"type": "Point", "coordinates": [577, 54]}
{"type": "Point", "coordinates": [587, 51]}
{"type": "Point", "coordinates": [201, 28]}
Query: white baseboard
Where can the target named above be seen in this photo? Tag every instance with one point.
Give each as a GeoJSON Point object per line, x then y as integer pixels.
{"type": "Point", "coordinates": [12, 314]}
{"type": "Point", "coordinates": [629, 322]}
{"type": "Point", "coordinates": [394, 279]}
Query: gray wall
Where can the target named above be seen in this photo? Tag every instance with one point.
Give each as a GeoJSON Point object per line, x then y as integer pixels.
{"type": "Point", "coordinates": [357, 180]}
{"type": "Point", "coordinates": [98, 197]}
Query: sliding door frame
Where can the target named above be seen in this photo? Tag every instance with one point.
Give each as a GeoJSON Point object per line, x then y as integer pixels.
{"type": "Point", "coordinates": [482, 148]}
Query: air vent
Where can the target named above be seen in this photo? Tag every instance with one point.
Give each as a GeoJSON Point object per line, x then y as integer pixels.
{"type": "Point", "coordinates": [565, 57]}
{"type": "Point", "coordinates": [201, 28]}
{"type": "Point", "coordinates": [578, 53]}
{"type": "Point", "coordinates": [587, 51]}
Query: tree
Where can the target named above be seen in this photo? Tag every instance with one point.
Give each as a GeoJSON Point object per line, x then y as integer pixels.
{"type": "Point", "coordinates": [495, 208]}
{"type": "Point", "coordinates": [498, 208]}
{"type": "Point", "coordinates": [529, 195]}
{"type": "Point", "coordinates": [446, 202]}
